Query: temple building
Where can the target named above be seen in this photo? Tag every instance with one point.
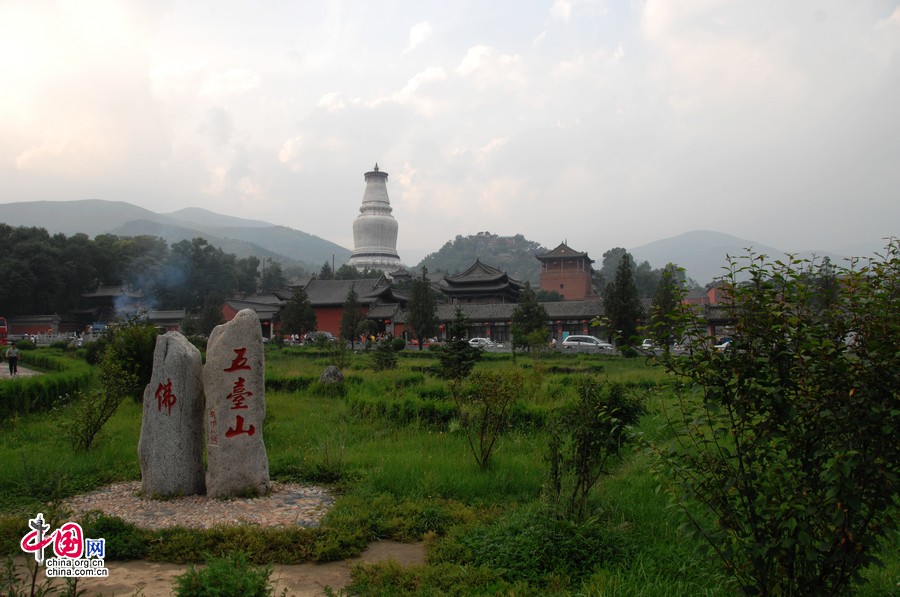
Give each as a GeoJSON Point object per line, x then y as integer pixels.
{"type": "Point", "coordinates": [566, 272]}
{"type": "Point", "coordinates": [375, 229]}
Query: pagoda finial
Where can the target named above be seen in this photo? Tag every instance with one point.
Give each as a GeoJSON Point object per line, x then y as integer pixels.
{"type": "Point", "coordinates": [376, 166]}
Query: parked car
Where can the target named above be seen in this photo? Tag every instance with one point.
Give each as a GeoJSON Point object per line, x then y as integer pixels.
{"type": "Point", "coordinates": [315, 337]}
{"type": "Point", "coordinates": [647, 344]}
{"type": "Point", "coordinates": [481, 342]}
{"type": "Point", "coordinates": [724, 345]}
{"type": "Point", "coordinates": [586, 344]}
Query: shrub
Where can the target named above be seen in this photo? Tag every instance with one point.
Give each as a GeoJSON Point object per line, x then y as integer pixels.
{"type": "Point", "coordinates": [124, 541]}
{"type": "Point", "coordinates": [584, 437]}
{"type": "Point", "coordinates": [789, 438]}
{"type": "Point", "coordinates": [328, 390]}
{"type": "Point", "coordinates": [230, 576]}
{"type": "Point", "coordinates": [87, 415]}
{"type": "Point", "coordinates": [528, 545]}
{"type": "Point", "coordinates": [398, 344]}
{"type": "Point", "coordinates": [484, 405]}
{"type": "Point", "coordinates": [384, 357]}
{"type": "Point", "coordinates": [126, 364]}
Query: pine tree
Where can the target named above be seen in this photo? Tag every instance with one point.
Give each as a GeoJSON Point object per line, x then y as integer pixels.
{"type": "Point", "coordinates": [665, 304]}
{"type": "Point", "coordinates": [351, 317]}
{"type": "Point", "coordinates": [298, 315]}
{"type": "Point", "coordinates": [622, 306]}
{"type": "Point", "coordinates": [458, 357]}
{"type": "Point", "coordinates": [529, 320]}
{"type": "Point", "coordinates": [422, 313]}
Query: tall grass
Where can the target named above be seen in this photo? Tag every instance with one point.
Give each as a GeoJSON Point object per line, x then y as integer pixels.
{"type": "Point", "coordinates": [409, 480]}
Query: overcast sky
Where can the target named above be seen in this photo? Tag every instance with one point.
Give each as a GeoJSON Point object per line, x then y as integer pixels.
{"type": "Point", "coordinates": [604, 123]}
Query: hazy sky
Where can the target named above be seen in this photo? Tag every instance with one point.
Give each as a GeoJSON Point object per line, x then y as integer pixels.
{"type": "Point", "coordinates": [606, 123]}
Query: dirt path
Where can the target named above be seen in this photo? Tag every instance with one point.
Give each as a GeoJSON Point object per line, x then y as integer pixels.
{"type": "Point", "coordinates": [23, 371]}
{"type": "Point", "coordinates": [152, 579]}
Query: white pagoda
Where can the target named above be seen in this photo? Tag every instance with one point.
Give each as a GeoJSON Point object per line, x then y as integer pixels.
{"type": "Point", "coordinates": [375, 229]}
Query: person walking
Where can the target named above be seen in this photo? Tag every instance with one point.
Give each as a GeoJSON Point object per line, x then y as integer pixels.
{"type": "Point", "coordinates": [12, 355]}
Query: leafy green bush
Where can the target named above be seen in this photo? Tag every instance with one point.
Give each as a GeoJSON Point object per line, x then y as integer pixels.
{"type": "Point", "coordinates": [87, 415]}
{"type": "Point", "coordinates": [390, 578]}
{"type": "Point", "coordinates": [484, 405]}
{"type": "Point", "coordinates": [398, 344]}
{"type": "Point", "coordinates": [328, 390]}
{"type": "Point", "coordinates": [126, 364]}
{"type": "Point", "coordinates": [230, 576]}
{"type": "Point", "coordinates": [384, 357]}
{"type": "Point", "coordinates": [124, 541]}
{"type": "Point", "coordinates": [789, 437]}
{"type": "Point", "coordinates": [261, 545]}
{"type": "Point", "coordinates": [584, 437]}
{"type": "Point", "coordinates": [528, 545]}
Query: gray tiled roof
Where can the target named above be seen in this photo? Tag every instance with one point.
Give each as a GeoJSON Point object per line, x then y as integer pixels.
{"type": "Point", "coordinates": [334, 292]}
{"type": "Point", "coordinates": [563, 250]}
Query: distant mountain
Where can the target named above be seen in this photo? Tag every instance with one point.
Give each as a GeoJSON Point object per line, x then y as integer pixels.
{"type": "Point", "coordinates": [703, 253]}
{"type": "Point", "coordinates": [513, 254]}
{"type": "Point", "coordinates": [233, 235]}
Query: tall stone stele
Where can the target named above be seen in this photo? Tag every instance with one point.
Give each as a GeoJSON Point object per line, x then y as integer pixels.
{"type": "Point", "coordinates": [171, 443]}
{"type": "Point", "coordinates": [234, 381]}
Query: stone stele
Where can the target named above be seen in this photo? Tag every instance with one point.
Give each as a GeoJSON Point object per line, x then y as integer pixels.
{"type": "Point", "coordinates": [171, 444]}
{"type": "Point", "coordinates": [234, 381]}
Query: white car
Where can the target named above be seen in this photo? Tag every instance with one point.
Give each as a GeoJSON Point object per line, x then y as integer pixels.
{"type": "Point", "coordinates": [586, 344]}
{"type": "Point", "coordinates": [481, 342]}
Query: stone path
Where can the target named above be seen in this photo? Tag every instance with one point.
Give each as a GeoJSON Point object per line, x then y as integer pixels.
{"type": "Point", "coordinates": [23, 371]}
{"type": "Point", "coordinates": [287, 504]}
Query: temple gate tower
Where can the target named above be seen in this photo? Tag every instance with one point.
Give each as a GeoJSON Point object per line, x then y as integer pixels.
{"type": "Point", "coordinates": [375, 229]}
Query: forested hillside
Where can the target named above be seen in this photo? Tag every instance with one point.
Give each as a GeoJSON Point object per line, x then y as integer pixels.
{"type": "Point", "coordinates": [512, 254]}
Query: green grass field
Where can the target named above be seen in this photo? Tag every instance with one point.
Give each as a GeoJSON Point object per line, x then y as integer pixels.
{"type": "Point", "coordinates": [408, 474]}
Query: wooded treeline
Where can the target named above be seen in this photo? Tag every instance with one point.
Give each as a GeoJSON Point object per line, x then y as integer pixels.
{"type": "Point", "coordinates": [43, 274]}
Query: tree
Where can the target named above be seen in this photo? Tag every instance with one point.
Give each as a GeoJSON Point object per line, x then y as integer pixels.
{"type": "Point", "coordinates": [585, 436]}
{"type": "Point", "coordinates": [484, 407]}
{"type": "Point", "coordinates": [458, 357]}
{"type": "Point", "coordinates": [298, 315]}
{"type": "Point", "coordinates": [247, 274]}
{"type": "Point", "coordinates": [422, 310]}
{"type": "Point", "coordinates": [622, 306]}
{"type": "Point", "coordinates": [529, 321]}
{"type": "Point", "coordinates": [347, 272]}
{"type": "Point", "coordinates": [326, 273]}
{"type": "Point", "coordinates": [272, 277]}
{"type": "Point", "coordinates": [665, 303]}
{"type": "Point", "coordinates": [211, 313]}
{"type": "Point", "coordinates": [789, 438]}
{"type": "Point", "coordinates": [351, 317]}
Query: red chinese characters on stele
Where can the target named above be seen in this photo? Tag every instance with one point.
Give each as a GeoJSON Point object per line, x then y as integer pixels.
{"type": "Point", "coordinates": [165, 398]}
{"type": "Point", "coordinates": [239, 395]}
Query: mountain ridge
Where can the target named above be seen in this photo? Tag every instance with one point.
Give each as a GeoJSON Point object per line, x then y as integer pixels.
{"type": "Point", "coordinates": [240, 236]}
{"type": "Point", "coordinates": [702, 253]}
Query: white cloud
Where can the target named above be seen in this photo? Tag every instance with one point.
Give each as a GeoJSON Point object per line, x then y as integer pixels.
{"type": "Point", "coordinates": [892, 22]}
{"type": "Point", "coordinates": [231, 82]}
{"type": "Point", "coordinates": [418, 34]}
{"type": "Point", "coordinates": [562, 10]}
{"type": "Point", "coordinates": [289, 155]}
